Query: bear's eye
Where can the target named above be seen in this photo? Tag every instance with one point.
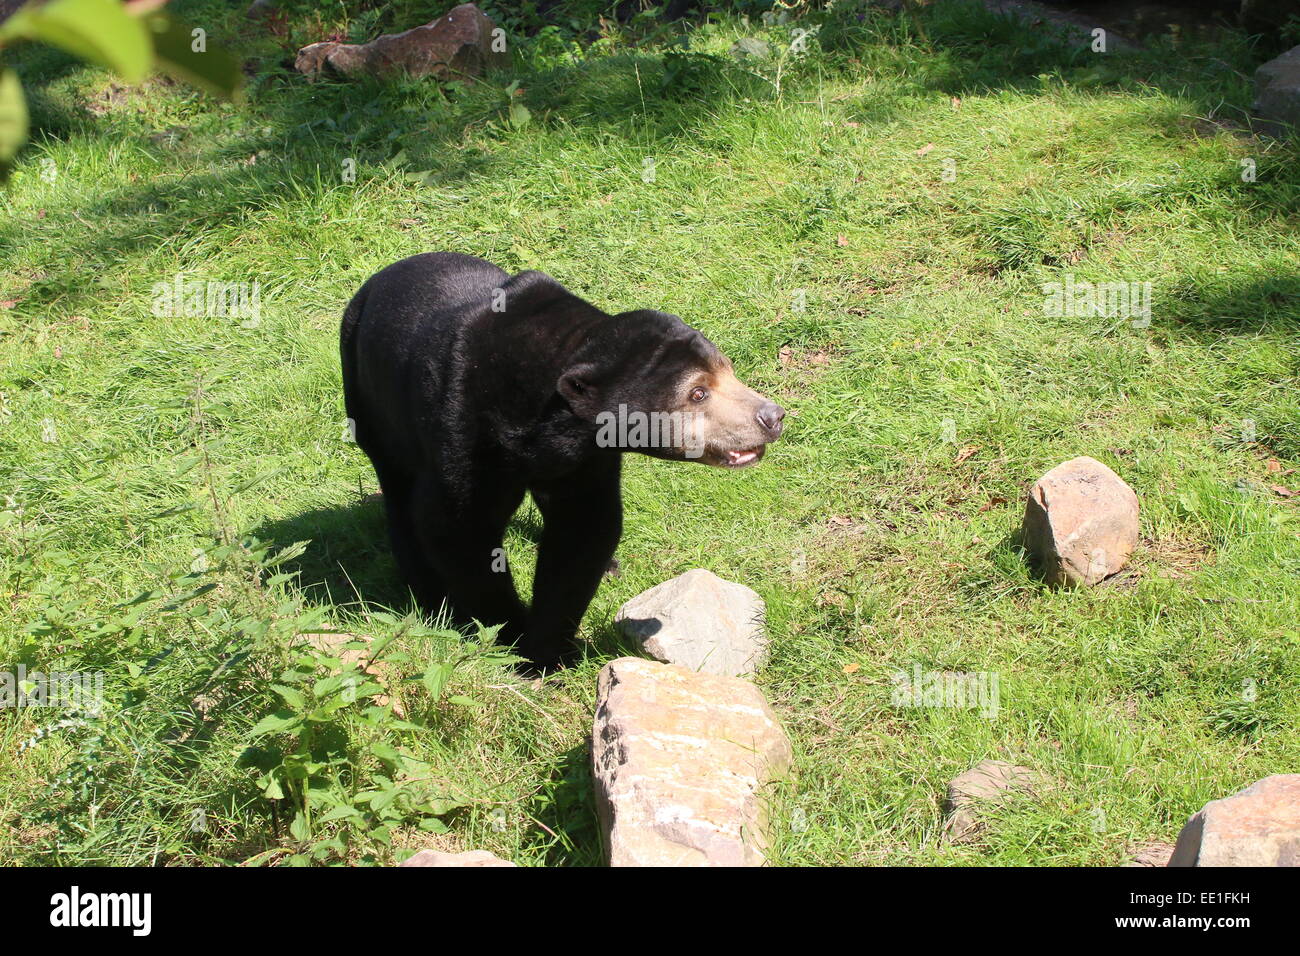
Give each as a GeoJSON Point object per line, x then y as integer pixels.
{"type": "Point", "coordinates": [699, 393]}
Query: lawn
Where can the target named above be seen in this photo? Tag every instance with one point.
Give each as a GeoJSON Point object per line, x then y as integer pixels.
{"type": "Point", "coordinates": [866, 228]}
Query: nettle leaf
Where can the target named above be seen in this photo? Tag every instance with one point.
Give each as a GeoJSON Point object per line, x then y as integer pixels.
{"type": "Point", "coordinates": [294, 698]}
{"type": "Point", "coordinates": [281, 721]}
{"type": "Point", "coordinates": [100, 31]}
{"type": "Point", "coordinates": [436, 677]}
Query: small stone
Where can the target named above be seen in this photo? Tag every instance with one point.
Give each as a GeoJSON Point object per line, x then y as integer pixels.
{"type": "Point", "coordinates": [1260, 826]}
{"type": "Point", "coordinates": [1152, 854]}
{"type": "Point", "coordinates": [699, 621]}
{"type": "Point", "coordinates": [681, 761]}
{"type": "Point", "coordinates": [458, 44]}
{"type": "Point", "coordinates": [1081, 522]}
{"type": "Point", "coordinates": [1277, 88]}
{"type": "Point", "coordinates": [987, 782]}
{"type": "Point", "coordinates": [468, 858]}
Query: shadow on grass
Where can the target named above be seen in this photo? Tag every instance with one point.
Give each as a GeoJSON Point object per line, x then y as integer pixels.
{"type": "Point", "coordinates": [565, 809]}
{"type": "Point", "coordinates": [348, 560]}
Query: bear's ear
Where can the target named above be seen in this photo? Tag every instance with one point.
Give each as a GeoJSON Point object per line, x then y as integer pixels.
{"type": "Point", "coordinates": [575, 387]}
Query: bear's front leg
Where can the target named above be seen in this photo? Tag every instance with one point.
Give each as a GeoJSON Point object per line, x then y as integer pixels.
{"type": "Point", "coordinates": [582, 520]}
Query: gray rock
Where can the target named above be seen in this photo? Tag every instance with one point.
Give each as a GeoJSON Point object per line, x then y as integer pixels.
{"type": "Point", "coordinates": [1260, 826]}
{"type": "Point", "coordinates": [1277, 88]}
{"type": "Point", "coordinates": [682, 762]}
{"type": "Point", "coordinates": [1152, 854]}
{"type": "Point", "coordinates": [456, 45]}
{"type": "Point", "coordinates": [1081, 523]}
{"type": "Point", "coordinates": [699, 621]}
{"type": "Point", "coordinates": [987, 782]}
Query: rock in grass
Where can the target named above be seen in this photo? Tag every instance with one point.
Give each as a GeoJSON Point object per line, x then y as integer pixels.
{"type": "Point", "coordinates": [1260, 826]}
{"type": "Point", "coordinates": [681, 762]}
{"type": "Point", "coordinates": [468, 858]}
{"type": "Point", "coordinates": [699, 621]}
{"type": "Point", "coordinates": [1152, 854]}
{"type": "Point", "coordinates": [1081, 522]}
{"type": "Point", "coordinates": [456, 45]}
{"type": "Point", "coordinates": [985, 783]}
{"type": "Point", "coordinates": [1277, 88]}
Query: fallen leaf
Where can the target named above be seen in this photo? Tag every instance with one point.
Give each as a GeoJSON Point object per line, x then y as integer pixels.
{"type": "Point", "coordinates": [966, 453]}
{"type": "Point", "coordinates": [993, 502]}
{"type": "Point", "coordinates": [8, 303]}
{"type": "Point", "coordinates": [786, 355]}
{"type": "Point", "coordinates": [841, 240]}
{"type": "Point", "coordinates": [1273, 466]}
{"type": "Point", "coordinates": [852, 668]}
{"type": "Point", "coordinates": [1283, 491]}
{"type": "Point", "coordinates": [925, 149]}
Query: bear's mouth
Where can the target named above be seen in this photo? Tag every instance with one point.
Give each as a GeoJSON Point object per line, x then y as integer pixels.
{"type": "Point", "coordinates": [741, 458]}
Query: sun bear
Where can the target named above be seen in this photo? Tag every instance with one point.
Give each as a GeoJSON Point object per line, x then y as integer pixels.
{"type": "Point", "coordinates": [468, 387]}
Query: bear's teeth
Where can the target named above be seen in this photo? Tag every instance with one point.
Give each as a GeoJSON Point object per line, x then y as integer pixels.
{"type": "Point", "coordinates": [741, 457]}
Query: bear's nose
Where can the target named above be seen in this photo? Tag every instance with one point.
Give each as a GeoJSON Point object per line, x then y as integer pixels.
{"type": "Point", "coordinates": [770, 416]}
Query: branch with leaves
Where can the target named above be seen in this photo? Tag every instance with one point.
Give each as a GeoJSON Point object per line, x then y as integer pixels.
{"type": "Point", "coordinates": [132, 39]}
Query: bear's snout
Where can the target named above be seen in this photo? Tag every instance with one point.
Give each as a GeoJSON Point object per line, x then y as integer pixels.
{"type": "Point", "coordinates": [772, 417]}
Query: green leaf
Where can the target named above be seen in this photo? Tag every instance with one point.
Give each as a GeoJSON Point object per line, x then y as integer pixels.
{"type": "Point", "coordinates": [13, 118]}
{"type": "Point", "coordinates": [100, 31]}
{"type": "Point", "coordinates": [278, 722]}
{"type": "Point", "coordinates": [294, 698]}
{"type": "Point", "coordinates": [435, 679]}
{"type": "Point", "coordinates": [213, 69]}
{"type": "Point", "coordinates": [520, 115]}
{"type": "Point", "coordinates": [463, 701]}
{"type": "Point", "coordinates": [300, 829]}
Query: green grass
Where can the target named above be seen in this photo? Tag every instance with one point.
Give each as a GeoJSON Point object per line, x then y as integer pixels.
{"type": "Point", "coordinates": [179, 442]}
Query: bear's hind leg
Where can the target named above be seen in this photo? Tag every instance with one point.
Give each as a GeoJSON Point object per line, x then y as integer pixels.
{"type": "Point", "coordinates": [422, 578]}
{"type": "Point", "coordinates": [464, 543]}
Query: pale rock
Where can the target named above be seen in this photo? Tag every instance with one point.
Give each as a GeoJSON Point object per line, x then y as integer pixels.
{"type": "Point", "coordinates": [1260, 826]}
{"type": "Point", "coordinates": [700, 621]}
{"type": "Point", "coordinates": [988, 782]}
{"type": "Point", "coordinates": [682, 761]}
{"type": "Point", "coordinates": [1081, 522]}
{"type": "Point", "coordinates": [1152, 854]}
{"type": "Point", "coordinates": [468, 858]}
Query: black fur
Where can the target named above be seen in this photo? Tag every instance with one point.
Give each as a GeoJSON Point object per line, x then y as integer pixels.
{"type": "Point", "coordinates": [463, 409]}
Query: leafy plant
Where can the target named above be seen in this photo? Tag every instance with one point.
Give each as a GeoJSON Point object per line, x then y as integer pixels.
{"type": "Point", "coordinates": [129, 39]}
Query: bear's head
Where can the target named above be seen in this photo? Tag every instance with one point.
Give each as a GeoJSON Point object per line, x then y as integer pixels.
{"type": "Point", "coordinates": [650, 383]}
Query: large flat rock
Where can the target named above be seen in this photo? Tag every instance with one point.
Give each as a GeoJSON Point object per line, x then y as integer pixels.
{"type": "Point", "coordinates": [681, 762]}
